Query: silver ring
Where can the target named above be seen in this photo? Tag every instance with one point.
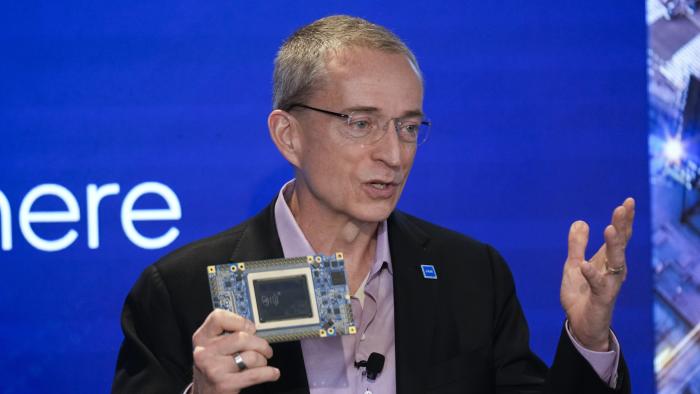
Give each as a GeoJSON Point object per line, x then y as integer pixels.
{"type": "Point", "coordinates": [239, 362]}
{"type": "Point", "coordinates": [615, 271]}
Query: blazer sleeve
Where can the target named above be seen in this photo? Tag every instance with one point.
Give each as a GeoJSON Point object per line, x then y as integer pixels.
{"type": "Point", "coordinates": [518, 369]}
{"type": "Point", "coordinates": [570, 371]}
{"type": "Point", "coordinates": [152, 358]}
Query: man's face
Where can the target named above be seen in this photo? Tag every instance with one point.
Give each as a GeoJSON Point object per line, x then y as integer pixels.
{"type": "Point", "coordinates": [360, 180]}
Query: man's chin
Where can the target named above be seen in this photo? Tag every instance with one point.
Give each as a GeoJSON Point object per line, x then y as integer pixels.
{"type": "Point", "coordinates": [375, 212]}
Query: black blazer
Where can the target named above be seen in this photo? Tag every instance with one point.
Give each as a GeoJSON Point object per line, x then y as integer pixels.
{"type": "Point", "coordinates": [462, 333]}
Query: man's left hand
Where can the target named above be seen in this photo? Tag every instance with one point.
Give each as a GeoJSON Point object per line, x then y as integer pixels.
{"type": "Point", "coordinates": [589, 288]}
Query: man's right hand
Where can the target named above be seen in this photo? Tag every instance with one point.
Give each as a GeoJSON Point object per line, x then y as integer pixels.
{"type": "Point", "coordinates": [215, 370]}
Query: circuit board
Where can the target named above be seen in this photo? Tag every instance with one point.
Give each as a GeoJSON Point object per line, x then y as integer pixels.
{"type": "Point", "coordinates": [287, 299]}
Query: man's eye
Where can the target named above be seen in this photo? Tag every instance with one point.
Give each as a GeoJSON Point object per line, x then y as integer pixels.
{"type": "Point", "coordinates": [411, 128]}
{"type": "Point", "coordinates": [360, 124]}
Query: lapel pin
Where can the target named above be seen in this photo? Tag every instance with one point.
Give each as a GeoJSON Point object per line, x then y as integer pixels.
{"type": "Point", "coordinates": [428, 271]}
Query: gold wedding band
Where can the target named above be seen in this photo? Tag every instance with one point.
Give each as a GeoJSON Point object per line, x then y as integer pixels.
{"type": "Point", "coordinates": [615, 271]}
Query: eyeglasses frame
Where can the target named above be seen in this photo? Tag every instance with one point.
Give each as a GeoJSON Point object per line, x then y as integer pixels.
{"type": "Point", "coordinates": [397, 121]}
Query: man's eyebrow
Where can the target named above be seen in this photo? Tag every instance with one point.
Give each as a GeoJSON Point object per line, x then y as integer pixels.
{"type": "Point", "coordinates": [413, 113]}
{"type": "Point", "coordinates": [360, 109]}
{"type": "Point", "coordinates": [406, 114]}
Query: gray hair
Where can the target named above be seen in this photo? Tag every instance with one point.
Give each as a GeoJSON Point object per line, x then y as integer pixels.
{"type": "Point", "coordinates": [300, 65]}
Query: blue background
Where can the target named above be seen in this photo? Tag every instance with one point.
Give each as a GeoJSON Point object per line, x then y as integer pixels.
{"type": "Point", "coordinates": [539, 113]}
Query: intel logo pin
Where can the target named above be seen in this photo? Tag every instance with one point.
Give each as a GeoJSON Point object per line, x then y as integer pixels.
{"type": "Point", "coordinates": [428, 271]}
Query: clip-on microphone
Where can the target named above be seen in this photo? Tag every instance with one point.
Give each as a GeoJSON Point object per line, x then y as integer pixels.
{"type": "Point", "coordinates": [373, 365]}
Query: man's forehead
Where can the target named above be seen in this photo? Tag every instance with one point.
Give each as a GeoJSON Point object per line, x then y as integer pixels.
{"type": "Point", "coordinates": [368, 65]}
{"type": "Point", "coordinates": [369, 80]}
{"type": "Point", "coordinates": [360, 56]}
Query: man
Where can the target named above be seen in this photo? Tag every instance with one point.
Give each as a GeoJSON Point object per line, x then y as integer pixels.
{"type": "Point", "coordinates": [348, 116]}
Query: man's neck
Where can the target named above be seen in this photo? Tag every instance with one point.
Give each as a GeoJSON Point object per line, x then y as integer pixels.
{"type": "Point", "coordinates": [329, 232]}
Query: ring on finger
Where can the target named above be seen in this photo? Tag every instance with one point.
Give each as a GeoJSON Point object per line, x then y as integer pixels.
{"type": "Point", "coordinates": [239, 362]}
{"type": "Point", "coordinates": [614, 271]}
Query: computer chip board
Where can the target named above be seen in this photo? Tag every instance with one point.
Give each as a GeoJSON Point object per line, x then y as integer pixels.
{"type": "Point", "coordinates": [287, 299]}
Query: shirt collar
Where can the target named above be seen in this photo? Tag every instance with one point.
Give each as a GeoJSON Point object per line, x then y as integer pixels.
{"type": "Point", "coordinates": [295, 244]}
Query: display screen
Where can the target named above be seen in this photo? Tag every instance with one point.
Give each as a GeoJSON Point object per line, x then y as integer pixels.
{"type": "Point", "coordinates": [282, 298]}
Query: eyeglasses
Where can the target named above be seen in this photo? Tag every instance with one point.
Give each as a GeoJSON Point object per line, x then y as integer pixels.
{"type": "Point", "coordinates": [365, 127]}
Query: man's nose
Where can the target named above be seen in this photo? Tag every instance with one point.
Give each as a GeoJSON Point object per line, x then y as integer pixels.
{"type": "Point", "coordinates": [388, 148]}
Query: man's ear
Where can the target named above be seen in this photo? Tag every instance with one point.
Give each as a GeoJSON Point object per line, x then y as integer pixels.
{"type": "Point", "coordinates": [284, 131]}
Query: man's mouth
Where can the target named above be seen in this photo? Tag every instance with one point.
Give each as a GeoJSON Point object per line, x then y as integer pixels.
{"type": "Point", "coordinates": [379, 185]}
{"type": "Point", "coordinates": [381, 189]}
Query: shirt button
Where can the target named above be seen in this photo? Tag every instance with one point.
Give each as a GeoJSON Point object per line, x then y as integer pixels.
{"type": "Point", "coordinates": [363, 337]}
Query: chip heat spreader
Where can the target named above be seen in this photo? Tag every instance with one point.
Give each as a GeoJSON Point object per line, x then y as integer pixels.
{"type": "Point", "coordinates": [287, 299]}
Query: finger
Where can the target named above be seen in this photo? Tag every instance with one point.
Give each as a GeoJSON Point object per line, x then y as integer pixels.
{"type": "Point", "coordinates": [254, 376]}
{"type": "Point", "coordinates": [235, 382]}
{"type": "Point", "coordinates": [630, 205]}
{"type": "Point", "coordinates": [599, 258]}
{"type": "Point", "coordinates": [241, 342]}
{"type": "Point", "coordinates": [215, 366]}
{"type": "Point", "coordinates": [593, 276]}
{"type": "Point", "coordinates": [578, 240]}
{"type": "Point", "coordinates": [615, 248]}
{"type": "Point", "coordinates": [251, 359]}
{"type": "Point", "coordinates": [218, 322]}
{"type": "Point", "coordinates": [619, 218]}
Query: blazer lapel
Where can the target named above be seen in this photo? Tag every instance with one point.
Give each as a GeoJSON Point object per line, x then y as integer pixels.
{"type": "Point", "coordinates": [415, 301]}
{"type": "Point", "coordinates": [260, 241]}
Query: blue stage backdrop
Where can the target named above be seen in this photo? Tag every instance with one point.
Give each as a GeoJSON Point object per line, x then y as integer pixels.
{"type": "Point", "coordinates": [131, 128]}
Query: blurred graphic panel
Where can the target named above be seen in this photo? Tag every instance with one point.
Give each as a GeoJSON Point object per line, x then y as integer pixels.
{"type": "Point", "coordinates": [674, 147]}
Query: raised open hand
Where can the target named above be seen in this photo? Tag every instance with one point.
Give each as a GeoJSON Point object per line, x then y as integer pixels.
{"type": "Point", "coordinates": [589, 288]}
